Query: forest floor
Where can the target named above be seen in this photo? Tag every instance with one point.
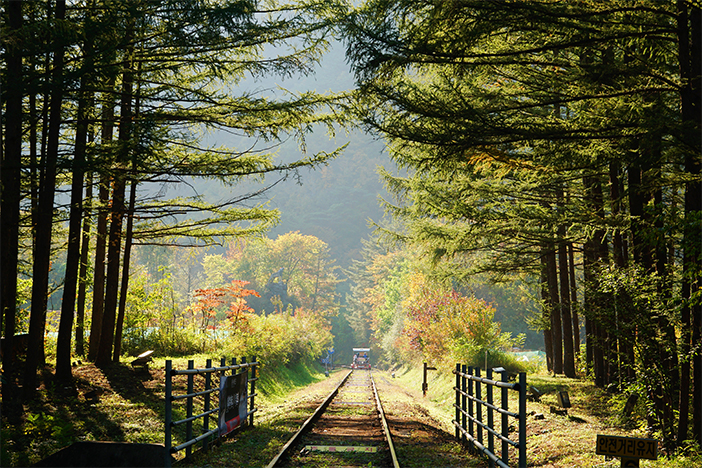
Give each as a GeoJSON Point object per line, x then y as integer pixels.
{"type": "Point", "coordinates": [126, 405]}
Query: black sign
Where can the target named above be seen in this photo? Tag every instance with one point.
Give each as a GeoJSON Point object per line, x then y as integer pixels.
{"type": "Point", "coordinates": [626, 447]}
{"type": "Point", "coordinates": [233, 398]}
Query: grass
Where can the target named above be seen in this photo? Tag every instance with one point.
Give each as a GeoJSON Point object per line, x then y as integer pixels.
{"type": "Point", "coordinates": [131, 409]}
{"type": "Point", "coordinates": [556, 441]}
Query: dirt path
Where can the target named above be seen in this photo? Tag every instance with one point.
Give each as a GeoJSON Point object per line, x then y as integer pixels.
{"type": "Point", "coordinates": [420, 439]}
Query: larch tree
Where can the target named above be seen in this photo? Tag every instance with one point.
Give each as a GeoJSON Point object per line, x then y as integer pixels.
{"type": "Point", "coordinates": [160, 76]}
{"type": "Point", "coordinates": [500, 109]}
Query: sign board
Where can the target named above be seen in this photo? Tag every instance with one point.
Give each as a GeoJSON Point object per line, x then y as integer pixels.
{"type": "Point", "coordinates": [233, 399]}
{"type": "Point", "coordinates": [626, 447]}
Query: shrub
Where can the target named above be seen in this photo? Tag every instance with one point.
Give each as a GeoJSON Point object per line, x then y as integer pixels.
{"type": "Point", "coordinates": [446, 326]}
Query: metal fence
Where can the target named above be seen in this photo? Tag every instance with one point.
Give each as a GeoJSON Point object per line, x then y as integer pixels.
{"type": "Point", "coordinates": [471, 404]}
{"type": "Point", "coordinates": [204, 401]}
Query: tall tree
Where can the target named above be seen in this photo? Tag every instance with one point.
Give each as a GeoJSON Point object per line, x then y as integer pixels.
{"type": "Point", "coordinates": [467, 89]}
{"type": "Point", "coordinates": [45, 211]}
{"type": "Point", "coordinates": [689, 31]}
{"type": "Point", "coordinates": [10, 178]}
{"type": "Point", "coordinates": [114, 242]}
{"type": "Point", "coordinates": [73, 254]}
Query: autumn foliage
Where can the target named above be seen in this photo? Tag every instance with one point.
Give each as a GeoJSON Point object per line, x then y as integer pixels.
{"type": "Point", "coordinates": [412, 317]}
{"type": "Point", "coordinates": [210, 301]}
{"type": "Point", "coordinates": [444, 324]}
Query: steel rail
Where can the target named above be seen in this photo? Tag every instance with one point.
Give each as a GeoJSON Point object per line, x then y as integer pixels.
{"type": "Point", "coordinates": [386, 428]}
{"type": "Point", "coordinates": [307, 424]}
{"type": "Point", "coordinates": [284, 452]}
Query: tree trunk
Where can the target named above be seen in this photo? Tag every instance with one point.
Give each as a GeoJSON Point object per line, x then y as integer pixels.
{"type": "Point", "coordinates": [125, 270]}
{"type": "Point", "coordinates": [592, 303]}
{"type": "Point", "coordinates": [564, 282]}
{"type": "Point", "coordinates": [566, 318]}
{"type": "Point", "coordinates": [10, 190]}
{"type": "Point", "coordinates": [107, 117]}
{"type": "Point", "coordinates": [689, 24]}
{"type": "Point", "coordinates": [83, 274]}
{"type": "Point", "coordinates": [99, 269]}
{"type": "Point", "coordinates": [85, 103]}
{"type": "Point", "coordinates": [124, 288]}
{"type": "Point", "coordinates": [546, 311]}
{"type": "Point", "coordinates": [694, 210]}
{"type": "Point", "coordinates": [574, 301]}
{"type": "Point", "coordinates": [689, 34]}
{"type": "Point", "coordinates": [638, 197]}
{"type": "Point", "coordinates": [104, 355]}
{"type": "Point", "coordinates": [615, 189]}
{"type": "Point", "coordinates": [556, 326]}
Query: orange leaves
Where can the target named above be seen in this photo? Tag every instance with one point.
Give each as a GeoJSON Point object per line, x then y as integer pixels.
{"type": "Point", "coordinates": [209, 301]}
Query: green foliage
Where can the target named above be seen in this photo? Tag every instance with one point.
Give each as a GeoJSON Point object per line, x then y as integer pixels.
{"type": "Point", "coordinates": [164, 341]}
{"type": "Point", "coordinates": [393, 286]}
{"type": "Point", "coordinates": [297, 268]}
{"type": "Point", "coordinates": [282, 338]}
{"type": "Point", "coordinates": [640, 298]}
{"type": "Point", "coordinates": [414, 317]}
{"type": "Point", "coordinates": [42, 425]}
{"type": "Point", "coordinates": [445, 326]}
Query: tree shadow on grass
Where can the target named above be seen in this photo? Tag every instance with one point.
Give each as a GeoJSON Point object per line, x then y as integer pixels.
{"type": "Point", "coordinates": [256, 446]}
{"type": "Point", "coordinates": [252, 447]}
{"type": "Point", "coordinates": [54, 416]}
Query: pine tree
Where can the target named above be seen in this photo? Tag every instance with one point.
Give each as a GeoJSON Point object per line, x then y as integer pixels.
{"type": "Point", "coordinates": [496, 107]}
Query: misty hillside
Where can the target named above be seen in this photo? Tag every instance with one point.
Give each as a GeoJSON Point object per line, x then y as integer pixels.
{"type": "Point", "coordinates": [335, 202]}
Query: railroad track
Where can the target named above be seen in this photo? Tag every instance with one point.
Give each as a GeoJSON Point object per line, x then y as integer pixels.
{"type": "Point", "coordinates": [348, 429]}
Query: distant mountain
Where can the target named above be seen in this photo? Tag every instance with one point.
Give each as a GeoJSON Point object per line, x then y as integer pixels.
{"type": "Point", "coordinates": [334, 202]}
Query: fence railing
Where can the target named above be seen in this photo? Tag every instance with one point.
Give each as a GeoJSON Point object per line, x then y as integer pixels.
{"type": "Point", "coordinates": [471, 405]}
{"type": "Point", "coordinates": [247, 370]}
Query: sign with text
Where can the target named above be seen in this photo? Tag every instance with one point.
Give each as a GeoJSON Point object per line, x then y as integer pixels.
{"type": "Point", "coordinates": [233, 399]}
{"type": "Point", "coordinates": [626, 447]}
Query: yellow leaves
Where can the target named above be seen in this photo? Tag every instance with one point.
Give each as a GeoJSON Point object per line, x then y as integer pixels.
{"type": "Point", "coordinates": [442, 322]}
{"type": "Point", "coordinates": [498, 163]}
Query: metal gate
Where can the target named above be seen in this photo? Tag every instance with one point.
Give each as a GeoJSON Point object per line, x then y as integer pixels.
{"type": "Point", "coordinates": [471, 405]}
{"type": "Point", "coordinates": [204, 402]}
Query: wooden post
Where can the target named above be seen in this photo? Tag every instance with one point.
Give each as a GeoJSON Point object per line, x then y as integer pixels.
{"type": "Point", "coordinates": [425, 384]}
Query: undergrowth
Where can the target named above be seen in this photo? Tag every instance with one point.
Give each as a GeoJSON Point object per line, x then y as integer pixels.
{"type": "Point", "coordinates": [558, 441]}
{"type": "Point", "coordinates": [130, 407]}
